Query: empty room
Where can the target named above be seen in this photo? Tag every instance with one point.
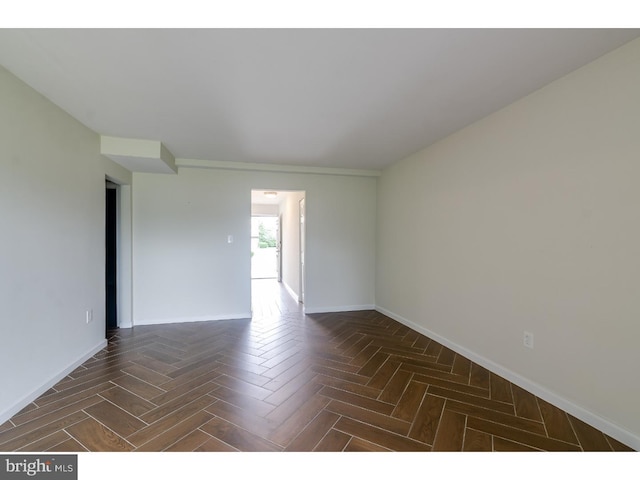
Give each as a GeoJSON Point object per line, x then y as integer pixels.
{"type": "Point", "coordinates": [319, 240]}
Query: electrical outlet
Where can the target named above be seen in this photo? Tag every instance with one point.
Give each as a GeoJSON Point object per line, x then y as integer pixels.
{"type": "Point", "coordinates": [89, 316]}
{"type": "Point", "coordinates": [528, 339]}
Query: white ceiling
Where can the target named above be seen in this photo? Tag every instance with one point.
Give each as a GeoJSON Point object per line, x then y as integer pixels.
{"type": "Point", "coordinates": [258, 197]}
{"type": "Point", "coordinates": [350, 98]}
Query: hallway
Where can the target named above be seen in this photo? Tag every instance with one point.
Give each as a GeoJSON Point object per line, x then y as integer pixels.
{"type": "Point", "coordinates": [270, 298]}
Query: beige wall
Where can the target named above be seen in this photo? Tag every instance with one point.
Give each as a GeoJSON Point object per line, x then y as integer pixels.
{"type": "Point", "coordinates": [530, 220]}
{"type": "Point", "coordinates": [52, 191]}
{"type": "Point", "coordinates": [184, 269]}
{"type": "Point", "coordinates": [290, 210]}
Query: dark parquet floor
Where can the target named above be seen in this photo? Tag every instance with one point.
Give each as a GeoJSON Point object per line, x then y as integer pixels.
{"type": "Point", "coordinates": [285, 381]}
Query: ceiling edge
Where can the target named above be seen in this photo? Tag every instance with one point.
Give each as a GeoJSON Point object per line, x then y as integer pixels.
{"type": "Point", "coordinates": [268, 167]}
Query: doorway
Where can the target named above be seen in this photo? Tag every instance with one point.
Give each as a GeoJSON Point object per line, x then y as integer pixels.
{"type": "Point", "coordinates": [111, 256]}
{"type": "Point", "coordinates": [278, 211]}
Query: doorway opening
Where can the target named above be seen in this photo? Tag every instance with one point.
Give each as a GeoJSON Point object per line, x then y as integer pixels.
{"type": "Point", "coordinates": [118, 256]}
{"type": "Point", "coordinates": [276, 262]}
{"type": "Point", "coordinates": [111, 256]}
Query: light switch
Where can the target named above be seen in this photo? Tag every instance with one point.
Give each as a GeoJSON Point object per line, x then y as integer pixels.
{"type": "Point", "coordinates": [229, 238]}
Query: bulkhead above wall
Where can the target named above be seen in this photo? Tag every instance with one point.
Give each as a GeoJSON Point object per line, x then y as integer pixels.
{"type": "Point", "coordinates": [138, 155]}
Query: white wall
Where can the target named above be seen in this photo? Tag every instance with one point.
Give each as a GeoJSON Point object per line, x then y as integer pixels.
{"type": "Point", "coordinates": [530, 220]}
{"type": "Point", "coordinates": [52, 190]}
{"type": "Point", "coordinates": [267, 210]}
{"type": "Point", "coordinates": [184, 269]}
{"type": "Point", "coordinates": [290, 209]}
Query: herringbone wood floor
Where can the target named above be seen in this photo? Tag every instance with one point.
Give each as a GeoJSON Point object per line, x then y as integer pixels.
{"type": "Point", "coordinates": [356, 381]}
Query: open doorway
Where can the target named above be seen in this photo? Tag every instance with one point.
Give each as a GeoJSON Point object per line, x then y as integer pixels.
{"type": "Point", "coordinates": [111, 256]}
{"type": "Point", "coordinates": [276, 268]}
{"type": "Point", "coordinates": [118, 256]}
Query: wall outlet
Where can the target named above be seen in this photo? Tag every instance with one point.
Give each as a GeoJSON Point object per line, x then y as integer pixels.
{"type": "Point", "coordinates": [89, 316]}
{"type": "Point", "coordinates": [528, 339]}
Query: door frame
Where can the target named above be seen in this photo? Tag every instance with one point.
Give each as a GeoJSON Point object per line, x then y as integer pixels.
{"type": "Point", "coordinates": [124, 253]}
{"type": "Point", "coordinates": [279, 248]}
{"type": "Point", "coordinates": [111, 255]}
{"type": "Point", "coordinates": [303, 246]}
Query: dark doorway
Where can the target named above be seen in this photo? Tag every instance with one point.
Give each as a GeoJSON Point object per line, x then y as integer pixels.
{"type": "Point", "coordinates": [111, 255]}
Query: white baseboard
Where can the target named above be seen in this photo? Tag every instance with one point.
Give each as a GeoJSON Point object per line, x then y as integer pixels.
{"type": "Point", "coordinates": [602, 424]}
{"type": "Point", "coordinates": [293, 294]}
{"type": "Point", "coordinates": [203, 318]}
{"type": "Point", "coordinates": [27, 399]}
{"type": "Point", "coordinates": [342, 308]}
